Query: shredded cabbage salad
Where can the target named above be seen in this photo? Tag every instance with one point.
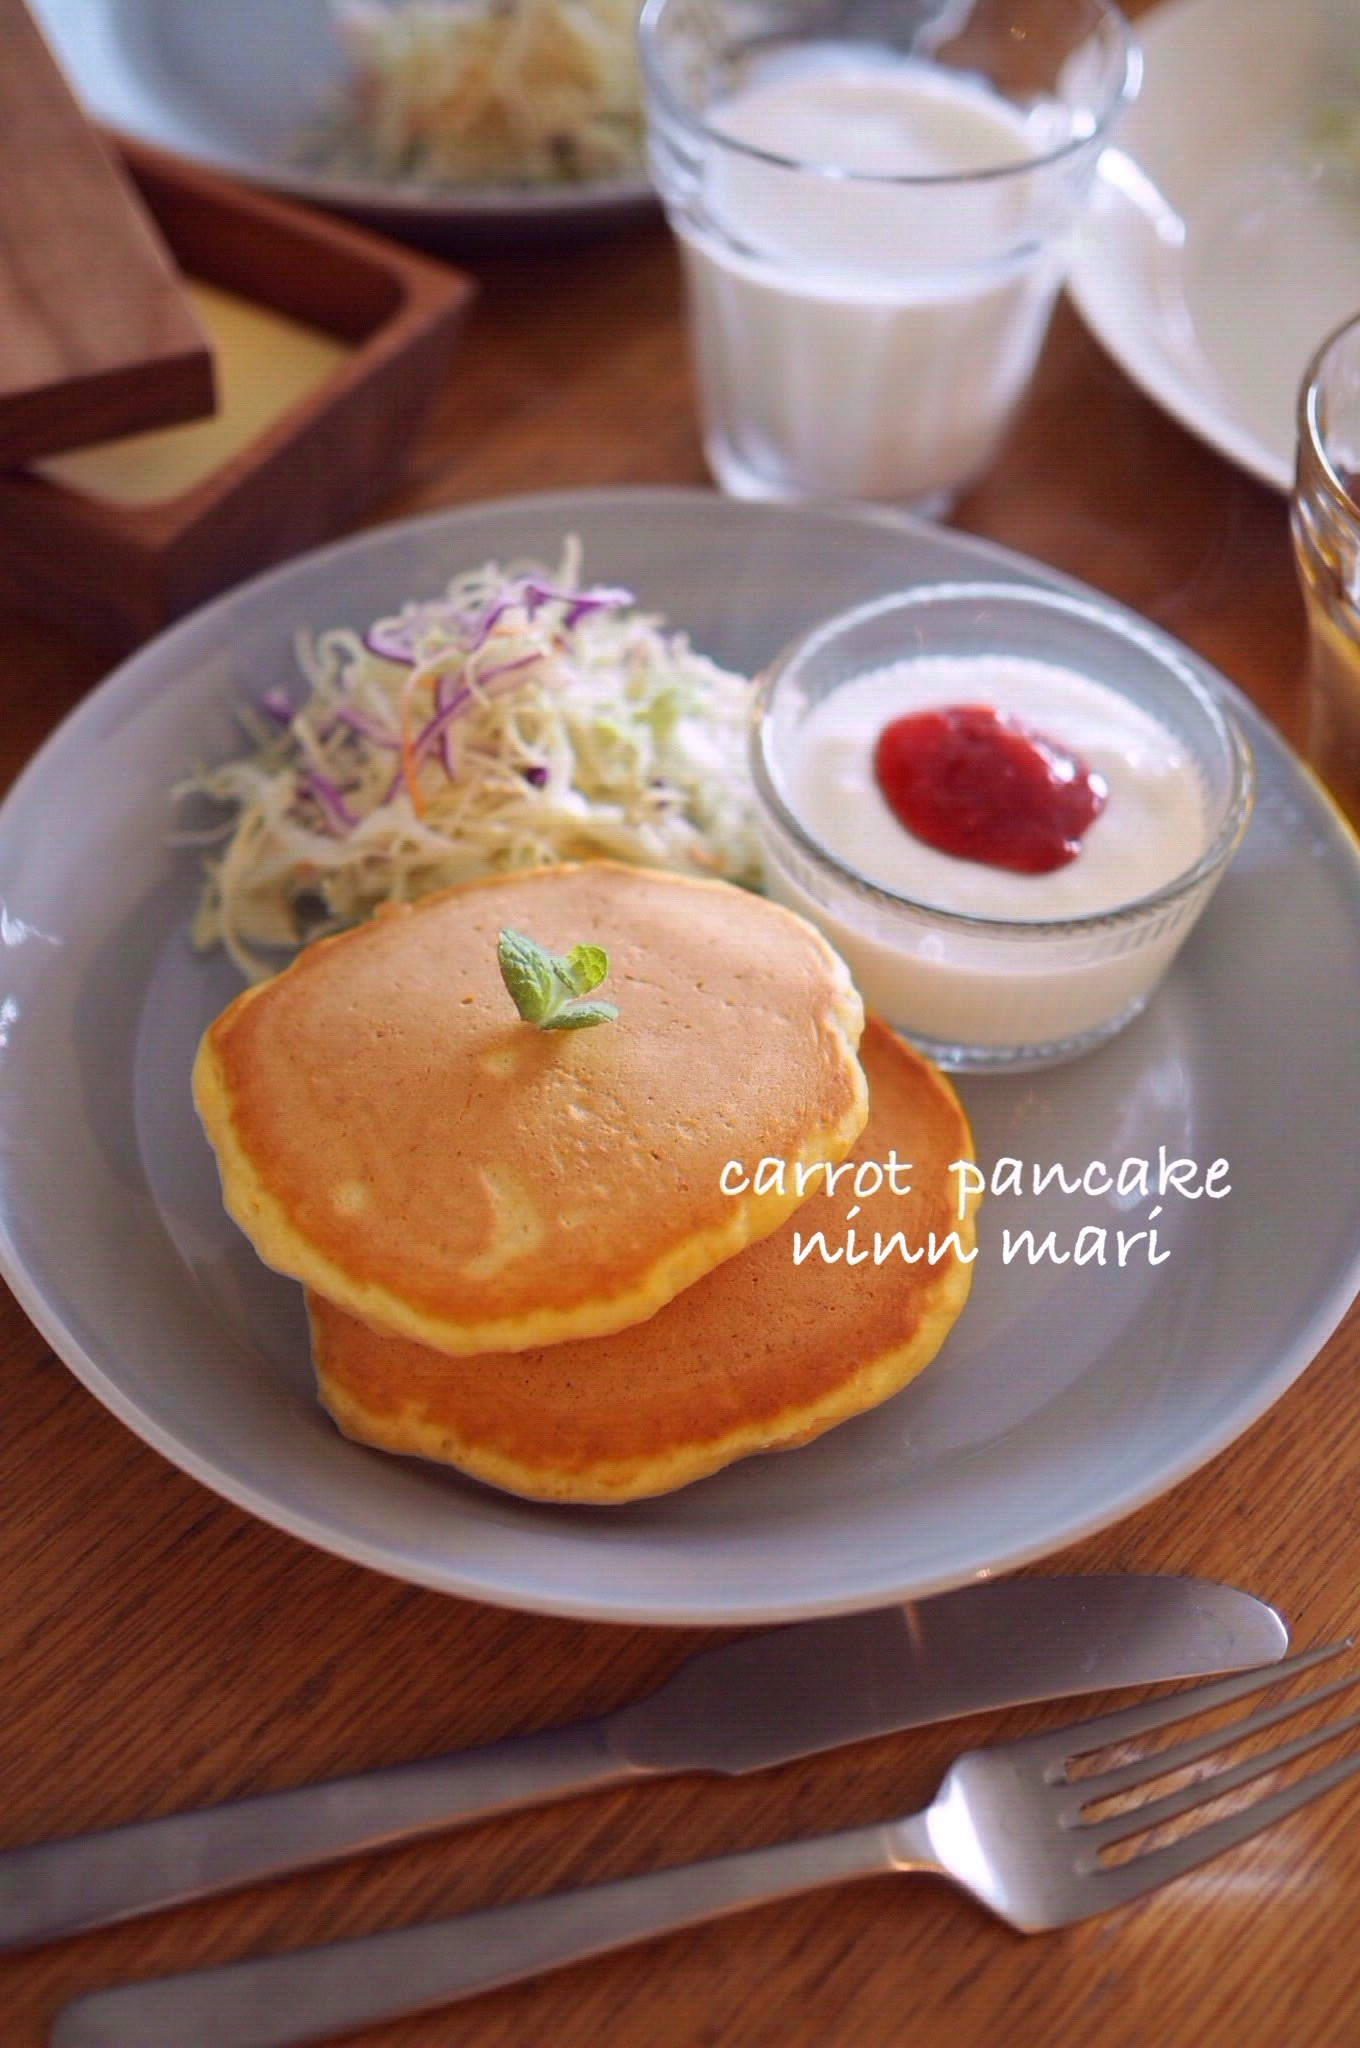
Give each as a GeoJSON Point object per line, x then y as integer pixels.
{"type": "Point", "coordinates": [479, 91]}
{"type": "Point", "coordinates": [522, 718]}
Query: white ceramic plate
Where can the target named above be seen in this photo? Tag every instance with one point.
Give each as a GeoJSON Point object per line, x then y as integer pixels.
{"type": "Point", "coordinates": [234, 83]}
{"type": "Point", "coordinates": [1214, 295]}
{"type": "Point", "coordinates": [1063, 1399]}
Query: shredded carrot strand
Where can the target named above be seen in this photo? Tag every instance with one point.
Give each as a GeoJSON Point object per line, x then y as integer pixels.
{"type": "Point", "coordinates": [410, 767]}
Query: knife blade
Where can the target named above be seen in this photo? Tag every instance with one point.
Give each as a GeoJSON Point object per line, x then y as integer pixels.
{"type": "Point", "coordinates": [795, 1691]}
{"type": "Point", "coordinates": [744, 1706]}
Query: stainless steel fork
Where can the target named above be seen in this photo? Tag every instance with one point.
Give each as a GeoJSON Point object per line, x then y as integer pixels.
{"type": "Point", "coordinates": [1009, 1824]}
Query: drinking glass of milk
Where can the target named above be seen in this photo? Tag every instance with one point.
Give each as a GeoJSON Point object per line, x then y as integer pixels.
{"type": "Point", "coordinates": [873, 200]}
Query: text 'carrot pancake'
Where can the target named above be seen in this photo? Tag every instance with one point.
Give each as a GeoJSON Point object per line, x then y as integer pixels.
{"type": "Point", "coordinates": [391, 1131]}
{"type": "Point", "coordinates": [760, 1354]}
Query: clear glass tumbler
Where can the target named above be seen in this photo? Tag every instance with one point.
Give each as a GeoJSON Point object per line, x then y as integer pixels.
{"type": "Point", "coordinates": [1326, 525]}
{"type": "Point", "coordinates": [873, 200]}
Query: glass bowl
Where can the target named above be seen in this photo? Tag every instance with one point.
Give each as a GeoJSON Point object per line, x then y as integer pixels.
{"type": "Point", "coordinates": [981, 990]}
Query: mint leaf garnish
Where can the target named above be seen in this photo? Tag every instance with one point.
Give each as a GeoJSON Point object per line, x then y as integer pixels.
{"type": "Point", "coordinates": [587, 967]}
{"type": "Point", "coordinates": [545, 987]}
{"type": "Point", "coordinates": [575, 1016]}
{"type": "Point", "coordinates": [527, 971]}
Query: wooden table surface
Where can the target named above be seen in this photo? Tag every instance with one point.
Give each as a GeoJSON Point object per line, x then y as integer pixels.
{"type": "Point", "coordinates": [160, 1648]}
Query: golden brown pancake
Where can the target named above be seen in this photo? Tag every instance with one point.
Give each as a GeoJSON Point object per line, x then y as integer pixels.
{"type": "Point", "coordinates": [392, 1133]}
{"type": "Point", "coordinates": [760, 1354]}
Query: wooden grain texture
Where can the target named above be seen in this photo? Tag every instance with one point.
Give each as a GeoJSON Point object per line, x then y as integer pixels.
{"type": "Point", "coordinates": [96, 335]}
{"type": "Point", "coordinates": [127, 570]}
{"type": "Point", "coordinates": [160, 1648]}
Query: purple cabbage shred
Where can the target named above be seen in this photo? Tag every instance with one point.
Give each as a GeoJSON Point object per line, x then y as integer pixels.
{"type": "Point", "coordinates": [330, 798]}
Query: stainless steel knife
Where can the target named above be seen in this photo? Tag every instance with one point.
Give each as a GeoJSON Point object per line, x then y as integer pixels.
{"type": "Point", "coordinates": [763, 1700]}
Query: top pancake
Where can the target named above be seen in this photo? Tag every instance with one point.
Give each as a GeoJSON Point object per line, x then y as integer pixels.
{"type": "Point", "coordinates": [389, 1130]}
{"type": "Point", "coordinates": [774, 1347]}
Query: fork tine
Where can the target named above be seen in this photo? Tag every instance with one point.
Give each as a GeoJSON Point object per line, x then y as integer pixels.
{"type": "Point", "coordinates": [1116, 1883]}
{"type": "Point", "coordinates": [1104, 1784]}
{"type": "Point", "coordinates": [1136, 1820]}
{"type": "Point", "coordinates": [1061, 1745]}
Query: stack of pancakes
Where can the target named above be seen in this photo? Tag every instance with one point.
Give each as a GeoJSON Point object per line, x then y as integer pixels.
{"type": "Point", "coordinates": [518, 1252]}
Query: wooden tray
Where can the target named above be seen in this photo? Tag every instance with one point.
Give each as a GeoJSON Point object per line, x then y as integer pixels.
{"type": "Point", "coordinates": [119, 572]}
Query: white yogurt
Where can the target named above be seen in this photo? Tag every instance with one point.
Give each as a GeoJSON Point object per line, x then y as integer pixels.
{"type": "Point", "coordinates": [865, 339]}
{"type": "Point", "coordinates": [961, 987]}
{"type": "Point", "coordinates": [1151, 829]}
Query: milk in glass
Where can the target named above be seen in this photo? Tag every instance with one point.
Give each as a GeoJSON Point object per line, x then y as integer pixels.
{"type": "Point", "coordinates": [867, 314]}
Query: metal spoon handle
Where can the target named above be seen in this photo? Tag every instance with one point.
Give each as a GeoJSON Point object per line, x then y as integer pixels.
{"type": "Point", "coordinates": [318, 1992]}
{"type": "Point", "coordinates": [57, 1888]}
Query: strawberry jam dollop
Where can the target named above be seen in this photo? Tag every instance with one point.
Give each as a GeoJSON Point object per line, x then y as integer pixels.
{"type": "Point", "coordinates": [984, 786]}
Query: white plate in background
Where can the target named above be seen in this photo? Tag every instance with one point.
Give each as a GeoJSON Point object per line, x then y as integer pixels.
{"type": "Point", "coordinates": [1063, 1398]}
{"type": "Point", "coordinates": [234, 84]}
{"type": "Point", "coordinates": [1214, 296]}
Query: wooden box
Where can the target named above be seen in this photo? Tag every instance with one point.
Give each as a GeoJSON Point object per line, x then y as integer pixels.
{"type": "Point", "coordinates": [118, 572]}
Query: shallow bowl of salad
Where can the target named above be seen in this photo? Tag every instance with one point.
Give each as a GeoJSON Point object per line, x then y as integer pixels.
{"type": "Point", "coordinates": [440, 120]}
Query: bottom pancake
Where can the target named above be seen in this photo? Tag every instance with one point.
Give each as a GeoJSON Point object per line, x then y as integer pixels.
{"type": "Point", "coordinates": [760, 1354]}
